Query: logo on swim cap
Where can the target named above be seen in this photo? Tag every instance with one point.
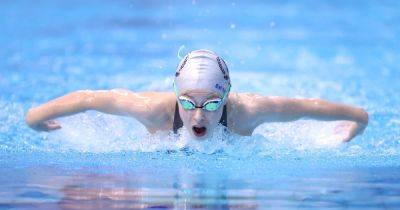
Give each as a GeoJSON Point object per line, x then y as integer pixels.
{"type": "Point", "coordinates": [220, 87]}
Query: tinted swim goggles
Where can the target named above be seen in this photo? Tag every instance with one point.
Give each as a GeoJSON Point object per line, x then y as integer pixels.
{"type": "Point", "coordinates": [210, 105]}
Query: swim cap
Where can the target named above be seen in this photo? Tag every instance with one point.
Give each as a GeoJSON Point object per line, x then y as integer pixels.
{"type": "Point", "coordinates": [202, 69]}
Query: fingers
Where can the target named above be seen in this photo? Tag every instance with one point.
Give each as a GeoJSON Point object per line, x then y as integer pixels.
{"type": "Point", "coordinates": [348, 138]}
{"type": "Point", "coordinates": [52, 125]}
{"type": "Point", "coordinates": [47, 126]}
{"type": "Point", "coordinates": [353, 131]}
{"type": "Point", "coordinates": [342, 127]}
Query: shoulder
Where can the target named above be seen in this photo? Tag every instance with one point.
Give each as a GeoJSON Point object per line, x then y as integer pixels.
{"type": "Point", "coordinates": [161, 109]}
{"type": "Point", "coordinates": [240, 111]}
{"type": "Point", "coordinates": [248, 102]}
{"type": "Point", "coordinates": [149, 106]}
{"type": "Point", "coordinates": [253, 103]}
{"type": "Point", "coordinates": [163, 101]}
{"type": "Point", "coordinates": [245, 110]}
{"type": "Point", "coordinates": [157, 102]}
{"type": "Point", "coordinates": [151, 98]}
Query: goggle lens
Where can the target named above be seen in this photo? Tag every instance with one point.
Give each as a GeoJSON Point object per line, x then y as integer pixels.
{"type": "Point", "coordinates": [211, 106]}
{"type": "Point", "coordinates": [187, 105]}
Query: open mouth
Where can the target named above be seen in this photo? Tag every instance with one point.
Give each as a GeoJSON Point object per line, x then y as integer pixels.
{"type": "Point", "coordinates": [199, 131]}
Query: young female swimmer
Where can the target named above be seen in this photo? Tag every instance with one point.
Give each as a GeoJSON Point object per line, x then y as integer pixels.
{"type": "Point", "coordinates": [201, 101]}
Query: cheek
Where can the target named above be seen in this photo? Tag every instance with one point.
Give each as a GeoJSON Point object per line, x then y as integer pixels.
{"type": "Point", "coordinates": [213, 117]}
{"type": "Point", "coordinates": [185, 116]}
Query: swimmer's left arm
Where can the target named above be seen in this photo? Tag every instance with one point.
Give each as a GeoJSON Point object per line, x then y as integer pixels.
{"type": "Point", "coordinates": [281, 109]}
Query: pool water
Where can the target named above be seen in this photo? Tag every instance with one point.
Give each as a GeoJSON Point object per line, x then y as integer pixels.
{"type": "Point", "coordinates": [343, 51]}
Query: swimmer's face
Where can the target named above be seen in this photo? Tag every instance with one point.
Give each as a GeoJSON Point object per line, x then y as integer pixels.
{"type": "Point", "coordinates": [198, 121]}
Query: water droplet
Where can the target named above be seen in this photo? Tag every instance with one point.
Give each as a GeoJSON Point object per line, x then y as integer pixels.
{"type": "Point", "coordinates": [272, 24]}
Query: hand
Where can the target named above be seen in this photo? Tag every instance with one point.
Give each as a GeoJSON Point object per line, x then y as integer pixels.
{"type": "Point", "coordinates": [350, 129]}
{"type": "Point", "coordinates": [48, 125]}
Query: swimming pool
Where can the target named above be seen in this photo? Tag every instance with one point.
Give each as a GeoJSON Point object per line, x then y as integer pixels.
{"type": "Point", "coordinates": [341, 51]}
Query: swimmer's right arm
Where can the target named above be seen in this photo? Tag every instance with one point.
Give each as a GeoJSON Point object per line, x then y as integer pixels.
{"type": "Point", "coordinates": [117, 102]}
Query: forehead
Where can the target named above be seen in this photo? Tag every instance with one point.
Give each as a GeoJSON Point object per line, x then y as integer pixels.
{"type": "Point", "coordinates": [201, 93]}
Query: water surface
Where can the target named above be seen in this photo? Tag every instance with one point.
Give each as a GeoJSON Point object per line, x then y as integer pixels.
{"type": "Point", "coordinates": [340, 51]}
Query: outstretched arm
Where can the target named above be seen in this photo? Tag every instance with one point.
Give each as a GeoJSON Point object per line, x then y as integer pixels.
{"type": "Point", "coordinates": [118, 102]}
{"type": "Point", "coordinates": [281, 109]}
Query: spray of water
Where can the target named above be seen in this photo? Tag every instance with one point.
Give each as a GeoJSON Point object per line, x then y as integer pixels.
{"type": "Point", "coordinates": [100, 133]}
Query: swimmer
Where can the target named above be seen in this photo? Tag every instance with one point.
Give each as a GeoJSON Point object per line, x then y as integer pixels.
{"type": "Point", "coordinates": [201, 100]}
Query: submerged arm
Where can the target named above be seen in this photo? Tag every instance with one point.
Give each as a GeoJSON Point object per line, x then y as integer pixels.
{"type": "Point", "coordinates": [280, 109]}
{"type": "Point", "coordinates": [118, 102]}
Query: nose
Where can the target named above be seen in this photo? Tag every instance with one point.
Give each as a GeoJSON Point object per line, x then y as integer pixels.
{"type": "Point", "coordinates": [198, 116]}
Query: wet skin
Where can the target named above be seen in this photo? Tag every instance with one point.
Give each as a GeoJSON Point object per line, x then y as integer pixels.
{"type": "Point", "coordinates": [155, 110]}
{"type": "Point", "coordinates": [201, 122]}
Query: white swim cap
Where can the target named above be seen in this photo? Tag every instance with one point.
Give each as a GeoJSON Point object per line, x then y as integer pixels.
{"type": "Point", "coordinates": [202, 69]}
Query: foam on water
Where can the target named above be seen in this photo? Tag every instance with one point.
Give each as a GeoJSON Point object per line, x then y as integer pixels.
{"type": "Point", "coordinates": [342, 51]}
{"type": "Point", "coordinates": [266, 55]}
{"type": "Point", "coordinates": [93, 132]}
{"type": "Point", "coordinates": [105, 134]}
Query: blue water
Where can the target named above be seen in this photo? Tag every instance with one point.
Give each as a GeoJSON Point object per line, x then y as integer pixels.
{"type": "Point", "coordinates": [343, 51]}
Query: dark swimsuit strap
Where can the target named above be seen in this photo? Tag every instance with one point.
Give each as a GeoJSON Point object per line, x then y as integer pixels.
{"type": "Point", "coordinates": [178, 121]}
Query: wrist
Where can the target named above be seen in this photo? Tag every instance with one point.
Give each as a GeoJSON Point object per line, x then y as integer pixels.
{"type": "Point", "coordinates": [29, 118]}
{"type": "Point", "coordinates": [362, 121]}
{"type": "Point", "coordinates": [32, 118]}
{"type": "Point", "coordinates": [364, 118]}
